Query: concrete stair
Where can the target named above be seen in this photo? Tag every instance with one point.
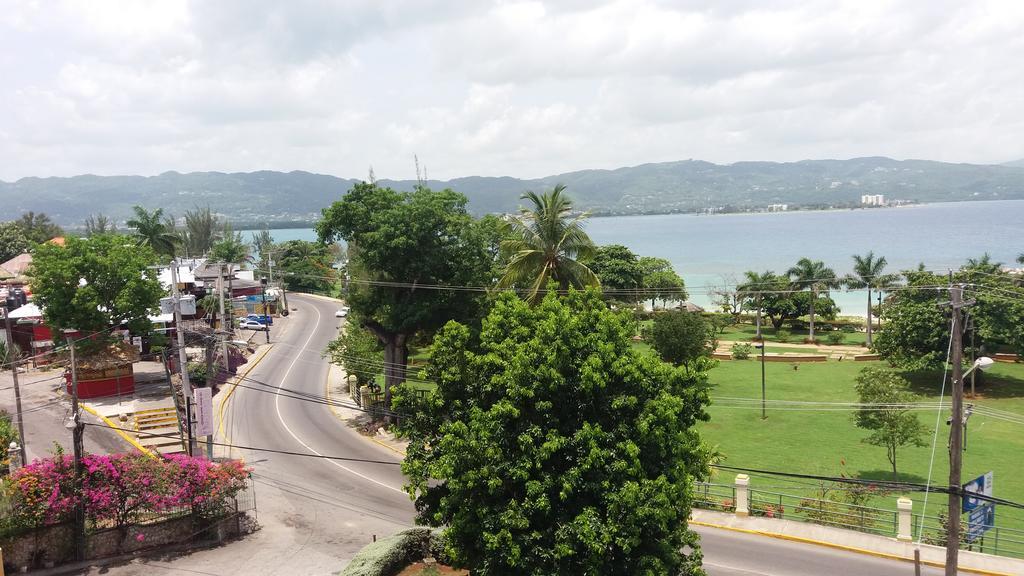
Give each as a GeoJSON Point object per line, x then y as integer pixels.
{"type": "Point", "coordinates": [162, 421]}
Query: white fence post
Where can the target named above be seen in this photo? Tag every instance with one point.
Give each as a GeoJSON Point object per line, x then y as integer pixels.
{"type": "Point", "coordinates": [742, 481]}
{"type": "Point", "coordinates": [905, 507]}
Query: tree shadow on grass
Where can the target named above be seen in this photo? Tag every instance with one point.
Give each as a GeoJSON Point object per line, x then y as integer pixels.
{"type": "Point", "coordinates": [886, 476]}
{"type": "Point", "coordinates": [993, 386]}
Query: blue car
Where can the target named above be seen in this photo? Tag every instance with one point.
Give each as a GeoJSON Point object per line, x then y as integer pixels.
{"type": "Point", "coordinates": [261, 318]}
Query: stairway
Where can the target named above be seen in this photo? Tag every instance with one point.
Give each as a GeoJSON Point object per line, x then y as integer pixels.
{"type": "Point", "coordinates": [162, 421]}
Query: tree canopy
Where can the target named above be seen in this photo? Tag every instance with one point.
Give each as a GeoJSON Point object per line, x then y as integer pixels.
{"type": "Point", "coordinates": [552, 447]}
{"type": "Point", "coordinates": [680, 337]}
{"type": "Point", "coordinates": [619, 271]}
{"type": "Point", "coordinates": [915, 334]}
{"type": "Point", "coordinates": [92, 284]}
{"type": "Point", "coordinates": [545, 243]}
{"type": "Point", "coordinates": [893, 425]}
{"type": "Point", "coordinates": [404, 249]}
{"type": "Point", "coordinates": [304, 266]}
{"type": "Point", "coordinates": [660, 281]}
{"type": "Point", "coordinates": [152, 229]}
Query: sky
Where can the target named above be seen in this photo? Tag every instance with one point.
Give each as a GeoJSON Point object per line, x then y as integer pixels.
{"type": "Point", "coordinates": [524, 89]}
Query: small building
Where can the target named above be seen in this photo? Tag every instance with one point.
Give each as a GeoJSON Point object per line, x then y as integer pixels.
{"type": "Point", "coordinates": [873, 199]}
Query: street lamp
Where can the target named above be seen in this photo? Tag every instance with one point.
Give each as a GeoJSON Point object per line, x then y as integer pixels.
{"type": "Point", "coordinates": [760, 346]}
{"type": "Point", "coordinates": [263, 285]}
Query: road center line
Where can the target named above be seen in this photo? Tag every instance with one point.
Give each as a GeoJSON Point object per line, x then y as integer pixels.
{"type": "Point", "coordinates": [277, 406]}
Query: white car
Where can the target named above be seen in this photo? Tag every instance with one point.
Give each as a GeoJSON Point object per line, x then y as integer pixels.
{"type": "Point", "coordinates": [251, 325]}
{"type": "Point", "coordinates": [342, 312]}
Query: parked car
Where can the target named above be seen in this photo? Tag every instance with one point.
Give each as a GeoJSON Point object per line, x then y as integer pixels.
{"type": "Point", "coordinates": [247, 324]}
{"type": "Point", "coordinates": [261, 318]}
{"type": "Point", "coordinates": [342, 312]}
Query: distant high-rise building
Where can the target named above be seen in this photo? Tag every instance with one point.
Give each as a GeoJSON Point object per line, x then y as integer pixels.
{"type": "Point", "coordinates": [873, 199]}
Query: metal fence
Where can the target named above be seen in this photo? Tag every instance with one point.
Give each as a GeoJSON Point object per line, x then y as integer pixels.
{"type": "Point", "coordinates": [997, 540]}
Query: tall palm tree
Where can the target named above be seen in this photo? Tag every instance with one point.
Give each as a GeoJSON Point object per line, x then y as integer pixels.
{"type": "Point", "coordinates": [754, 287]}
{"type": "Point", "coordinates": [201, 231]}
{"type": "Point", "coordinates": [868, 273]}
{"type": "Point", "coordinates": [812, 275]}
{"type": "Point", "coordinates": [151, 230]}
{"type": "Point", "coordinates": [546, 243]}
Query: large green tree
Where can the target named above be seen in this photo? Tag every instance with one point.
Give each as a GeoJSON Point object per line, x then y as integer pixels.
{"type": "Point", "coordinates": [151, 230]}
{"type": "Point", "coordinates": [887, 412]}
{"type": "Point", "coordinates": [546, 243]}
{"type": "Point", "coordinates": [660, 281]}
{"type": "Point", "coordinates": [12, 241]}
{"type": "Point", "coordinates": [916, 330]}
{"type": "Point", "coordinates": [93, 284]}
{"type": "Point", "coordinates": [37, 227]}
{"type": "Point", "coordinates": [304, 266]}
{"type": "Point", "coordinates": [200, 232]}
{"type": "Point", "coordinates": [410, 256]}
{"type": "Point", "coordinates": [754, 288]}
{"type": "Point", "coordinates": [869, 273]}
{"type": "Point", "coordinates": [812, 275]}
{"type": "Point", "coordinates": [681, 337]}
{"type": "Point", "coordinates": [230, 248]}
{"type": "Point", "coordinates": [552, 447]}
{"type": "Point", "coordinates": [619, 271]}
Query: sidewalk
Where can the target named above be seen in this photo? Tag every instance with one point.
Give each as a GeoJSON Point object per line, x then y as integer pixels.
{"type": "Point", "coordinates": [348, 411]}
{"type": "Point", "coordinates": [854, 541]}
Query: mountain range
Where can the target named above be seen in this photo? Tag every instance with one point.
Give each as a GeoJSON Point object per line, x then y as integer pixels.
{"type": "Point", "coordinates": [682, 186]}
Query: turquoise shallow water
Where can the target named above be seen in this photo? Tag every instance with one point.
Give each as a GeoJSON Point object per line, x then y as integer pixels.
{"type": "Point", "coordinates": [709, 251]}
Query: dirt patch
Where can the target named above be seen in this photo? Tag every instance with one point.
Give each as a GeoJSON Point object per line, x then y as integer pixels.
{"type": "Point", "coordinates": [421, 569]}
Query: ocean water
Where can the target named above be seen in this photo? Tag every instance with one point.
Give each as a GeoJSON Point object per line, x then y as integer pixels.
{"type": "Point", "coordinates": [714, 251]}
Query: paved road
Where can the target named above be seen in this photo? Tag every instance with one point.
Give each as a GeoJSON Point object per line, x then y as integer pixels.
{"type": "Point", "coordinates": [316, 513]}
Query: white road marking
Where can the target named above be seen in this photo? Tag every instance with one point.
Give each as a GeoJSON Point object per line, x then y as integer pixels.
{"type": "Point", "coordinates": [277, 406]}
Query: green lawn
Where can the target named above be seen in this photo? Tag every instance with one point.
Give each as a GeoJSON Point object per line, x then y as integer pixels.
{"type": "Point", "coordinates": [746, 332]}
{"type": "Point", "coordinates": [817, 441]}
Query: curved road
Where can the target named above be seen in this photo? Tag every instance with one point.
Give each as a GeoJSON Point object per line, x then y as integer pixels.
{"type": "Point", "coordinates": [316, 513]}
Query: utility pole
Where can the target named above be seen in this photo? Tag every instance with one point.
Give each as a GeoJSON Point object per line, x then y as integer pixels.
{"type": "Point", "coordinates": [209, 384]}
{"type": "Point", "coordinates": [186, 386]}
{"type": "Point", "coordinates": [17, 388]}
{"type": "Point", "coordinates": [76, 437]}
{"type": "Point", "coordinates": [263, 285]}
{"type": "Point", "coordinates": [956, 293]}
{"type": "Point", "coordinates": [223, 318]}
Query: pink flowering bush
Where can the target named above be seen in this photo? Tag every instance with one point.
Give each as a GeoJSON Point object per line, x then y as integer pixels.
{"type": "Point", "coordinates": [118, 487]}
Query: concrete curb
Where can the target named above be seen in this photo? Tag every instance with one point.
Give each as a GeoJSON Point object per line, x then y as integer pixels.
{"type": "Point", "coordinates": [341, 418]}
{"type": "Point", "coordinates": [860, 549]}
{"type": "Point", "coordinates": [116, 428]}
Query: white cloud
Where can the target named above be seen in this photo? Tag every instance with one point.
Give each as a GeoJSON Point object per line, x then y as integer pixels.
{"type": "Point", "coordinates": [516, 88]}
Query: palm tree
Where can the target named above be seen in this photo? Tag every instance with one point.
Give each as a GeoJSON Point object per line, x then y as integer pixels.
{"type": "Point", "coordinates": [230, 248]}
{"type": "Point", "coordinates": [151, 230]}
{"type": "Point", "coordinates": [200, 231]}
{"type": "Point", "coordinates": [755, 285]}
{"type": "Point", "coordinates": [813, 275]}
{"type": "Point", "coordinates": [867, 273]}
{"type": "Point", "coordinates": [545, 243]}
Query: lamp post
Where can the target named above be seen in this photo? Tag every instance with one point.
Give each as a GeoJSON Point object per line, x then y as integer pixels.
{"type": "Point", "coordinates": [764, 415]}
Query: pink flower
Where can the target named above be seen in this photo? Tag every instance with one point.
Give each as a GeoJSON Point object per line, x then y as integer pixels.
{"type": "Point", "coordinates": [140, 537]}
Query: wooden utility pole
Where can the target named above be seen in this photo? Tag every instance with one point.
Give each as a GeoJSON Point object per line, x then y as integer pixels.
{"type": "Point", "coordinates": [223, 318]}
{"type": "Point", "coordinates": [186, 386]}
{"type": "Point", "coordinates": [77, 442]}
{"type": "Point", "coordinates": [955, 433]}
{"type": "Point", "coordinates": [17, 388]}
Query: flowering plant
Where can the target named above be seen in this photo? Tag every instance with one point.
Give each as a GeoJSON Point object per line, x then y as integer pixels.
{"type": "Point", "coordinates": [118, 487]}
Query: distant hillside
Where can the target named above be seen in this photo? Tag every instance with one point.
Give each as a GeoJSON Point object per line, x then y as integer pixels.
{"type": "Point", "coordinates": [664, 187]}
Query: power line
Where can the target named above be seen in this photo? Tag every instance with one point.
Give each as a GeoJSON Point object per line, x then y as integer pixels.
{"type": "Point", "coordinates": [253, 448]}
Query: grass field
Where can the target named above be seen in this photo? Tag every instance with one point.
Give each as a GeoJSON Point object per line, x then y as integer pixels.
{"type": "Point", "coordinates": [746, 332]}
{"type": "Point", "coordinates": [818, 441]}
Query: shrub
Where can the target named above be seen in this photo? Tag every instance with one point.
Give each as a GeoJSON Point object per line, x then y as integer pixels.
{"type": "Point", "coordinates": [848, 328]}
{"type": "Point", "coordinates": [741, 351]}
{"type": "Point", "coordinates": [836, 337]}
{"type": "Point", "coordinates": [782, 335]}
{"type": "Point", "coordinates": [116, 487]}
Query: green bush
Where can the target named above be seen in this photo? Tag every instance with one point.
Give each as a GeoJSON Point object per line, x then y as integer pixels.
{"type": "Point", "coordinates": [782, 335]}
{"type": "Point", "coordinates": [835, 337]}
{"type": "Point", "coordinates": [741, 351]}
{"type": "Point", "coordinates": [390, 555]}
